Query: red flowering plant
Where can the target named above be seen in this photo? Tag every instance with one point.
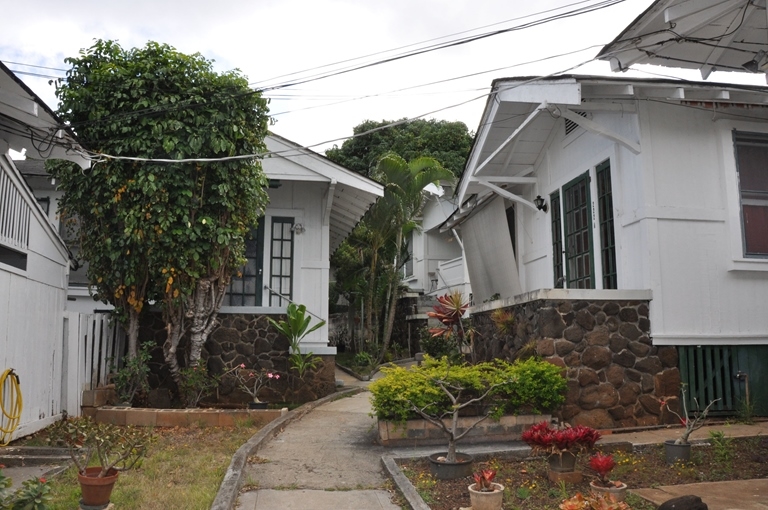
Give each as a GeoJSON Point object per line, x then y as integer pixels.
{"type": "Point", "coordinates": [689, 424]}
{"type": "Point", "coordinates": [484, 480]}
{"type": "Point", "coordinates": [543, 438]}
{"type": "Point", "coordinates": [602, 464]}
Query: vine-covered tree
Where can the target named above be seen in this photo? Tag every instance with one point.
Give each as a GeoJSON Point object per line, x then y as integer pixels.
{"type": "Point", "coordinates": [148, 228]}
{"type": "Point", "coordinates": [446, 142]}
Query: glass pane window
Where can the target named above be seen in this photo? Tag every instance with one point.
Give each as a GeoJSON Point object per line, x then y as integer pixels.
{"type": "Point", "coordinates": [281, 261]}
{"type": "Point", "coordinates": [578, 234]}
{"type": "Point", "coordinates": [607, 238]}
{"type": "Point", "coordinates": [245, 289]}
{"type": "Point", "coordinates": [557, 241]}
{"type": "Point", "coordinates": [752, 166]}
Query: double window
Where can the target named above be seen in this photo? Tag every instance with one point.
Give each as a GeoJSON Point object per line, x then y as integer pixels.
{"type": "Point", "coordinates": [752, 166]}
{"type": "Point", "coordinates": [247, 288]}
{"type": "Point", "coordinates": [573, 232]}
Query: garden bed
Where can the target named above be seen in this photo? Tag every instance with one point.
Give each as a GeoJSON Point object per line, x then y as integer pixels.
{"type": "Point", "coordinates": [422, 433]}
{"type": "Point", "coordinates": [528, 486]}
{"type": "Point", "coordinates": [150, 417]}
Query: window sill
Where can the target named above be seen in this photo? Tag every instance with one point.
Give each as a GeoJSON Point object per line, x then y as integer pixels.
{"type": "Point", "coordinates": [743, 264]}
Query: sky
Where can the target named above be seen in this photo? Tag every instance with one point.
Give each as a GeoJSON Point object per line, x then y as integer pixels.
{"type": "Point", "coordinates": [274, 42]}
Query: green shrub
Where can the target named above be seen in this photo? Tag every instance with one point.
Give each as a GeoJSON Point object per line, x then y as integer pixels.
{"type": "Point", "coordinates": [525, 386]}
{"type": "Point", "coordinates": [438, 346]}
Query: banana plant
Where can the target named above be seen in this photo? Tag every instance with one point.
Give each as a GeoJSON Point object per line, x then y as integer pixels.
{"type": "Point", "coordinates": [295, 328]}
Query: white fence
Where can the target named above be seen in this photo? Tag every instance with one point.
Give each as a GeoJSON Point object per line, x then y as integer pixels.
{"type": "Point", "coordinates": [93, 344]}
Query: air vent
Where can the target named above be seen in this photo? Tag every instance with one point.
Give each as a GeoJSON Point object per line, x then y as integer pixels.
{"type": "Point", "coordinates": [571, 125]}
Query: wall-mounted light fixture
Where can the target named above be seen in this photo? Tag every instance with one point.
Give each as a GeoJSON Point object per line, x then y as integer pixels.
{"type": "Point", "coordinates": [540, 203]}
{"type": "Point", "coordinates": [298, 229]}
{"type": "Point", "coordinates": [754, 65]}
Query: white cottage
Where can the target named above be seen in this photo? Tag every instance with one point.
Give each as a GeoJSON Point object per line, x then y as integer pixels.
{"type": "Point", "coordinates": [34, 266]}
{"type": "Point", "coordinates": [637, 213]}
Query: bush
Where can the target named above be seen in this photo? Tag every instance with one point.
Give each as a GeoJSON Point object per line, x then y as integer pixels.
{"type": "Point", "coordinates": [525, 386]}
{"type": "Point", "coordinates": [438, 346]}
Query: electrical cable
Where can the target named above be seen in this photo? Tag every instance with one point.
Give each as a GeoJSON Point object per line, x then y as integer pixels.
{"type": "Point", "coordinates": [11, 414]}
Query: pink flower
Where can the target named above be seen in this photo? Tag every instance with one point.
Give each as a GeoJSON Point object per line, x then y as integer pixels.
{"type": "Point", "coordinates": [242, 365]}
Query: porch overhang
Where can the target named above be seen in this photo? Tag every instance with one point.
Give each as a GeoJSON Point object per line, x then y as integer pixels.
{"type": "Point", "coordinates": [708, 35]}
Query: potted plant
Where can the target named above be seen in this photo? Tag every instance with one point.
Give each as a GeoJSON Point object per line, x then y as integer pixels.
{"type": "Point", "coordinates": [593, 502]}
{"type": "Point", "coordinates": [561, 445]}
{"type": "Point", "coordinates": [602, 464]}
{"type": "Point", "coordinates": [680, 449]}
{"type": "Point", "coordinates": [111, 448]}
{"type": "Point", "coordinates": [251, 381]}
{"type": "Point", "coordinates": [484, 494]}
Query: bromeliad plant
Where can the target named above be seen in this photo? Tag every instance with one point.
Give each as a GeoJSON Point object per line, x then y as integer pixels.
{"type": "Point", "coordinates": [484, 480]}
{"type": "Point", "coordinates": [603, 464]}
{"type": "Point", "coordinates": [449, 311]}
{"type": "Point", "coordinates": [251, 381]}
{"type": "Point", "coordinates": [543, 438]}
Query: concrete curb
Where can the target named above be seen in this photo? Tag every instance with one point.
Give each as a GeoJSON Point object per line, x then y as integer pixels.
{"type": "Point", "coordinates": [226, 497]}
{"type": "Point", "coordinates": [403, 484]}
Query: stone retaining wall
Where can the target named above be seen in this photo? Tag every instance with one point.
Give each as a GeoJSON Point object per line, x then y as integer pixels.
{"type": "Point", "coordinates": [247, 339]}
{"type": "Point", "coordinates": [614, 371]}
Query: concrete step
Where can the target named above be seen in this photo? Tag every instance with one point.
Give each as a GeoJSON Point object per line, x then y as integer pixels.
{"type": "Point", "coordinates": [13, 456]}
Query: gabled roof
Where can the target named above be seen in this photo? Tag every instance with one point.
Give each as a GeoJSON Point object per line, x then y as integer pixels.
{"type": "Point", "coordinates": [26, 122]}
{"type": "Point", "coordinates": [708, 35]}
{"type": "Point", "coordinates": [521, 113]}
{"type": "Point", "coordinates": [353, 194]}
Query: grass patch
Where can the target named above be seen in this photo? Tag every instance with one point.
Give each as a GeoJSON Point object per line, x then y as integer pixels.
{"type": "Point", "coordinates": [183, 469]}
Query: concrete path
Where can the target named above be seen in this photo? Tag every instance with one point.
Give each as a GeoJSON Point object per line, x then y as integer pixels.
{"type": "Point", "coordinates": [735, 495]}
{"type": "Point", "coordinates": [327, 460]}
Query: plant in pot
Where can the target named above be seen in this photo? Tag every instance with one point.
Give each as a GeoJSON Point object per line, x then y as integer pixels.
{"type": "Point", "coordinates": [251, 381]}
{"type": "Point", "coordinates": [439, 392]}
{"type": "Point", "coordinates": [560, 445]}
{"type": "Point", "coordinates": [100, 451]}
{"type": "Point", "coordinates": [132, 377]}
{"type": "Point", "coordinates": [593, 501]}
{"type": "Point", "coordinates": [680, 449]}
{"type": "Point", "coordinates": [484, 494]}
{"type": "Point", "coordinates": [295, 328]}
{"type": "Point", "coordinates": [603, 464]}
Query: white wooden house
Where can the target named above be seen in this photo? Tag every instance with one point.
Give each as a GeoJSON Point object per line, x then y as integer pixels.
{"type": "Point", "coordinates": [653, 192]}
{"type": "Point", "coordinates": [34, 266]}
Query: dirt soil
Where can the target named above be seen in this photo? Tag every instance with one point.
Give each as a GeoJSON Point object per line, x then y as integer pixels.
{"type": "Point", "coordinates": [527, 485]}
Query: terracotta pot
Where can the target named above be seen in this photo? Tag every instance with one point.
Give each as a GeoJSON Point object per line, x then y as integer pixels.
{"type": "Point", "coordinates": [486, 500]}
{"type": "Point", "coordinates": [96, 491]}
{"type": "Point", "coordinates": [443, 470]}
{"type": "Point", "coordinates": [619, 492]}
{"type": "Point", "coordinates": [564, 462]}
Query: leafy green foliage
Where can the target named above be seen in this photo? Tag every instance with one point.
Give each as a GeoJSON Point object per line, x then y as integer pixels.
{"type": "Point", "coordinates": [152, 229]}
{"type": "Point", "coordinates": [195, 383]}
{"type": "Point", "coordinates": [528, 386]}
{"type": "Point", "coordinates": [447, 142]}
{"type": "Point", "coordinates": [34, 494]}
{"type": "Point", "coordinates": [132, 377]}
{"type": "Point", "coordinates": [295, 328]}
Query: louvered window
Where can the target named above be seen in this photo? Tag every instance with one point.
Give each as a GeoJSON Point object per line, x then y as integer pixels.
{"type": "Point", "coordinates": [571, 125]}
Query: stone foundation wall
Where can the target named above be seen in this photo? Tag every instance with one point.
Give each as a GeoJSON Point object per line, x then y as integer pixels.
{"type": "Point", "coordinates": [614, 371]}
{"type": "Point", "coordinates": [246, 339]}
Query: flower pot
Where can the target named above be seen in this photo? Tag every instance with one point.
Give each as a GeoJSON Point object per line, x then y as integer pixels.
{"type": "Point", "coordinates": [96, 491]}
{"type": "Point", "coordinates": [258, 405]}
{"type": "Point", "coordinates": [443, 470]}
{"type": "Point", "coordinates": [486, 500]}
{"type": "Point", "coordinates": [619, 492]}
{"type": "Point", "coordinates": [677, 452]}
{"type": "Point", "coordinates": [562, 462]}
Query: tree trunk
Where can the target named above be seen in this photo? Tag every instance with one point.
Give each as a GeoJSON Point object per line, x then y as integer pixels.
{"type": "Point", "coordinates": [209, 294]}
{"type": "Point", "coordinates": [393, 295]}
{"type": "Point", "coordinates": [368, 321]}
{"type": "Point", "coordinates": [133, 332]}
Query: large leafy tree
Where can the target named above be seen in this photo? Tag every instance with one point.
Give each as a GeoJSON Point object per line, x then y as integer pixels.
{"type": "Point", "coordinates": [170, 231]}
{"type": "Point", "coordinates": [447, 142]}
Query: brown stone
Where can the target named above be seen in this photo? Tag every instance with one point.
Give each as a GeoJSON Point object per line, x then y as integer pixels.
{"type": "Point", "coordinates": [647, 420]}
{"type": "Point", "coordinates": [585, 319]}
{"type": "Point", "coordinates": [596, 357]}
{"type": "Point", "coordinates": [644, 325]}
{"type": "Point", "coordinates": [625, 359]}
{"type": "Point", "coordinates": [573, 334]}
{"type": "Point", "coordinates": [222, 335]}
{"type": "Point", "coordinates": [611, 308]}
{"type": "Point", "coordinates": [645, 339]}
{"type": "Point", "coordinates": [640, 350]}
{"type": "Point", "coordinates": [598, 336]}
{"type": "Point", "coordinates": [629, 331]}
{"type": "Point", "coordinates": [667, 383]}
{"type": "Point", "coordinates": [649, 365]}
{"type": "Point", "coordinates": [633, 375]}
{"type": "Point", "coordinates": [647, 383]}
{"type": "Point", "coordinates": [558, 362]}
{"type": "Point", "coordinates": [572, 393]}
{"type": "Point", "coordinates": [545, 347]}
{"type": "Point", "coordinates": [573, 359]}
{"type": "Point", "coordinates": [601, 396]}
{"type": "Point", "coordinates": [668, 356]}
{"type": "Point", "coordinates": [668, 410]}
{"type": "Point", "coordinates": [650, 404]}
{"type": "Point", "coordinates": [600, 317]}
{"type": "Point", "coordinates": [564, 347]}
{"type": "Point", "coordinates": [614, 374]}
{"type": "Point", "coordinates": [627, 422]}
{"type": "Point", "coordinates": [564, 306]}
{"type": "Point", "coordinates": [213, 347]}
{"type": "Point", "coordinates": [587, 376]}
{"type": "Point", "coordinates": [595, 418]}
{"type": "Point", "coordinates": [629, 393]}
{"type": "Point", "coordinates": [628, 314]}
{"type": "Point", "coordinates": [569, 411]}
{"type": "Point", "coordinates": [612, 323]}
{"type": "Point", "coordinates": [617, 343]}
{"type": "Point", "coordinates": [580, 305]}
{"type": "Point", "coordinates": [551, 324]}
{"type": "Point", "coordinates": [618, 412]}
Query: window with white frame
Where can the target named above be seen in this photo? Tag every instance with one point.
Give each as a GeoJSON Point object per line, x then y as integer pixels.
{"type": "Point", "coordinates": [15, 215]}
{"type": "Point", "coordinates": [752, 167]}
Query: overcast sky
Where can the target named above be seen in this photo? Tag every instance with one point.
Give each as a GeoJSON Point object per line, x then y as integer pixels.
{"type": "Point", "coordinates": [275, 41]}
